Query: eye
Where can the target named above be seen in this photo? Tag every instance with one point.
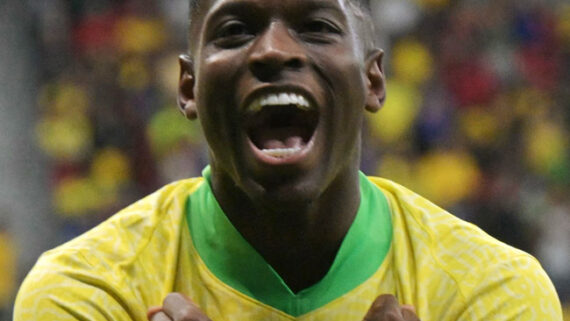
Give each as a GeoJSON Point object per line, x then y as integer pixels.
{"type": "Point", "coordinates": [232, 29]}
{"type": "Point", "coordinates": [320, 27]}
{"type": "Point", "coordinates": [320, 31]}
{"type": "Point", "coordinates": [232, 34]}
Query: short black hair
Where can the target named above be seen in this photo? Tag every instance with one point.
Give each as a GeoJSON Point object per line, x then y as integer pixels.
{"type": "Point", "coordinates": [360, 8]}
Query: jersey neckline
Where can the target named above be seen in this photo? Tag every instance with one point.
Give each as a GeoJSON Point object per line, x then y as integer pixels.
{"type": "Point", "coordinates": [236, 263]}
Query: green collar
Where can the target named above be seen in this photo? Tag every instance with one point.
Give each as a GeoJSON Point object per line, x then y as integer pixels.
{"type": "Point", "coordinates": [235, 262]}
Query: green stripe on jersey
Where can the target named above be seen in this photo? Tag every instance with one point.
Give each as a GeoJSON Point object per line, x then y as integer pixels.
{"type": "Point", "coordinates": [235, 262]}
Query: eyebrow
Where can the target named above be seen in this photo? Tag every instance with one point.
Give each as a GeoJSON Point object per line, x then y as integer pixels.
{"type": "Point", "coordinates": [322, 4]}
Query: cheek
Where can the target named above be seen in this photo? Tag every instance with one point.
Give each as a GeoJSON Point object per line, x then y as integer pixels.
{"type": "Point", "coordinates": [348, 94]}
{"type": "Point", "coordinates": [348, 87]}
{"type": "Point", "coordinates": [215, 72]}
{"type": "Point", "coordinates": [342, 75]}
{"type": "Point", "coordinates": [344, 69]}
{"type": "Point", "coordinates": [215, 98]}
{"type": "Point", "coordinates": [350, 76]}
{"type": "Point", "coordinates": [214, 77]}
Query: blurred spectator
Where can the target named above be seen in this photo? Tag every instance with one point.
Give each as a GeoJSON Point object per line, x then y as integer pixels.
{"type": "Point", "coordinates": [8, 278]}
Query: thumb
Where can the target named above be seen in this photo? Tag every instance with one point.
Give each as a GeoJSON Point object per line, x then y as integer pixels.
{"type": "Point", "coordinates": [409, 313]}
{"type": "Point", "coordinates": [152, 311]}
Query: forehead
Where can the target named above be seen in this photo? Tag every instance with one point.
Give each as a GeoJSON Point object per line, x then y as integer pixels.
{"type": "Point", "coordinates": [209, 8]}
{"type": "Point", "coordinates": [212, 5]}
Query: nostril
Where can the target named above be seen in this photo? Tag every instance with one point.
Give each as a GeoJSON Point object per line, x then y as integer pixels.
{"type": "Point", "coordinates": [294, 63]}
{"type": "Point", "coordinates": [260, 65]}
{"type": "Point", "coordinates": [265, 71]}
{"type": "Point", "coordinates": [273, 67]}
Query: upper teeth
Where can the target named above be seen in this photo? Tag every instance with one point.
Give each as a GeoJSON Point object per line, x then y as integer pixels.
{"type": "Point", "coordinates": [281, 99]}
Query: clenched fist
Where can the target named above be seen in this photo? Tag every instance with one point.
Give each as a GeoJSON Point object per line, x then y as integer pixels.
{"type": "Point", "coordinates": [176, 307]}
{"type": "Point", "coordinates": [387, 308]}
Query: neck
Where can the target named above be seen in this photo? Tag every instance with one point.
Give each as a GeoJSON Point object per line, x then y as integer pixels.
{"type": "Point", "coordinates": [299, 241]}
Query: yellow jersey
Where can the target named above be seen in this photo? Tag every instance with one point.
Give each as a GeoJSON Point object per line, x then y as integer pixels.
{"type": "Point", "coordinates": [178, 240]}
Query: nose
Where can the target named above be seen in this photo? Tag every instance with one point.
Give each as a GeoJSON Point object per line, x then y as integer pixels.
{"type": "Point", "coordinates": [275, 51]}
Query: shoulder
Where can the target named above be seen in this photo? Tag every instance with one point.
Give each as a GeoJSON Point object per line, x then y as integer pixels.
{"type": "Point", "coordinates": [454, 243]}
{"type": "Point", "coordinates": [111, 261]}
{"type": "Point", "coordinates": [516, 288]}
{"type": "Point", "coordinates": [132, 230]}
{"type": "Point", "coordinates": [449, 258]}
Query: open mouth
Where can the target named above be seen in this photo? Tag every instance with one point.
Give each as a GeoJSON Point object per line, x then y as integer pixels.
{"type": "Point", "coordinates": [281, 125]}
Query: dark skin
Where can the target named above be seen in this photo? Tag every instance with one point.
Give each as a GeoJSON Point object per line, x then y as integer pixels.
{"type": "Point", "coordinates": [296, 209]}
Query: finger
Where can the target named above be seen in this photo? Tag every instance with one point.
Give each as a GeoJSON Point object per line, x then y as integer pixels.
{"type": "Point", "coordinates": [180, 308]}
{"type": "Point", "coordinates": [409, 313]}
{"type": "Point", "coordinates": [384, 308]}
{"type": "Point", "coordinates": [152, 311]}
{"type": "Point", "coordinates": [159, 316]}
{"type": "Point", "coordinates": [409, 307]}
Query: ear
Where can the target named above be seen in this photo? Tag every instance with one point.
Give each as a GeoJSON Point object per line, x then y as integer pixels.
{"type": "Point", "coordinates": [186, 97]}
{"type": "Point", "coordinates": [375, 81]}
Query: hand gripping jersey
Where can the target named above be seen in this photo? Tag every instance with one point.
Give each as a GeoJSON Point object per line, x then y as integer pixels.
{"type": "Point", "coordinates": [179, 240]}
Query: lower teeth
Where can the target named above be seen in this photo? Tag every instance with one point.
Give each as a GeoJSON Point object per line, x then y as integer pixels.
{"type": "Point", "coordinates": [281, 152]}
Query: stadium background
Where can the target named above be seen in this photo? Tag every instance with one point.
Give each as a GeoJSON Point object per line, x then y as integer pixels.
{"type": "Point", "coordinates": [477, 118]}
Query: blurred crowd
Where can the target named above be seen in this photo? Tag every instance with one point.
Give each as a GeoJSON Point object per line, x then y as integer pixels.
{"type": "Point", "coordinates": [476, 120]}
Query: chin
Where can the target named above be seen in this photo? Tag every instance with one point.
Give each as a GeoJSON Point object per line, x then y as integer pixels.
{"type": "Point", "coordinates": [282, 195]}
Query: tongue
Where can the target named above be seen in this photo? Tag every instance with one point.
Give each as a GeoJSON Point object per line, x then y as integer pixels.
{"type": "Point", "coordinates": [285, 137]}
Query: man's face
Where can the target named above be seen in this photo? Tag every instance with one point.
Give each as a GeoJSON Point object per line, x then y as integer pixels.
{"type": "Point", "coordinates": [280, 88]}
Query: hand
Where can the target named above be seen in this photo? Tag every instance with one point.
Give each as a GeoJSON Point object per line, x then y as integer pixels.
{"type": "Point", "coordinates": [387, 308]}
{"type": "Point", "coordinates": [176, 307]}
